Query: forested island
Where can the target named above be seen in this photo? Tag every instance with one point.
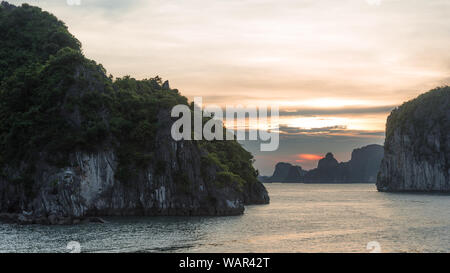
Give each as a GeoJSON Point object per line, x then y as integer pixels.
{"type": "Point", "coordinates": [76, 143]}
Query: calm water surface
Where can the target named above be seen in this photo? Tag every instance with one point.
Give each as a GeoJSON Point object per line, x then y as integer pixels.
{"type": "Point", "coordinates": [300, 218]}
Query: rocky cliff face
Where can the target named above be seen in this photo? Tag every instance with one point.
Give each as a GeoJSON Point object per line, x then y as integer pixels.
{"type": "Point", "coordinates": [328, 171]}
{"type": "Point", "coordinates": [88, 187]}
{"type": "Point", "coordinates": [417, 146]}
{"type": "Point", "coordinates": [365, 163]}
{"type": "Point", "coordinates": [327, 163]}
{"type": "Point", "coordinates": [281, 171]}
{"type": "Point", "coordinates": [362, 168]}
{"type": "Point", "coordinates": [75, 144]}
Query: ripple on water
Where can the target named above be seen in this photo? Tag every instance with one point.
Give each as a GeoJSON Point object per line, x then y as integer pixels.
{"type": "Point", "coordinates": [300, 218]}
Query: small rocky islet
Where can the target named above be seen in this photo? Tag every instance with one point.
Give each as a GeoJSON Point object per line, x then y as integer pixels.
{"type": "Point", "coordinates": [361, 168]}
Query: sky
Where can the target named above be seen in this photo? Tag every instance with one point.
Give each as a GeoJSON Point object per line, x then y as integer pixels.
{"type": "Point", "coordinates": [336, 68]}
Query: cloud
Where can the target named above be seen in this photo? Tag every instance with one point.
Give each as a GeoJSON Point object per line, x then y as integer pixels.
{"type": "Point", "coordinates": [288, 49]}
{"type": "Point", "coordinates": [265, 50]}
{"type": "Point", "coordinates": [338, 130]}
{"type": "Point", "coordinates": [296, 130]}
{"type": "Point", "coordinates": [338, 111]}
{"type": "Point", "coordinates": [302, 158]}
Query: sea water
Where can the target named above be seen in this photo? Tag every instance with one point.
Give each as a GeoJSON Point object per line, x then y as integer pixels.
{"type": "Point", "coordinates": [300, 218]}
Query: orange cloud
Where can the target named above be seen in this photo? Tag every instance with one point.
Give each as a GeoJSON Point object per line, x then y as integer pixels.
{"type": "Point", "coordinates": [308, 157]}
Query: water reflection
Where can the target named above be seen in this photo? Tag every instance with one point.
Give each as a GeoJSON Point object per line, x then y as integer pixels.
{"type": "Point", "coordinates": [300, 218]}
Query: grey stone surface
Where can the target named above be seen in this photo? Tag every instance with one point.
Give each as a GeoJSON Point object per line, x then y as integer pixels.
{"type": "Point", "coordinates": [417, 147]}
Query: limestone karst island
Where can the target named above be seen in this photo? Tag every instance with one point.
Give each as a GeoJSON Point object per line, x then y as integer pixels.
{"type": "Point", "coordinates": [226, 127]}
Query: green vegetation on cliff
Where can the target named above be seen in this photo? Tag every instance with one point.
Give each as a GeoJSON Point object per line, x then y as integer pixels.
{"type": "Point", "coordinates": [417, 145]}
{"type": "Point", "coordinates": [420, 117]}
{"type": "Point", "coordinates": [426, 103]}
{"type": "Point", "coordinates": [54, 101]}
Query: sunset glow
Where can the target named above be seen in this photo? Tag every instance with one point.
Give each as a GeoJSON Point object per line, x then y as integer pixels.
{"type": "Point", "coordinates": [336, 70]}
{"type": "Point", "coordinates": [225, 135]}
{"type": "Point", "coordinates": [308, 157]}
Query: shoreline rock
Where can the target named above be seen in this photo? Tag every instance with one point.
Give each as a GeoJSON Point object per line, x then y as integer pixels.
{"type": "Point", "coordinates": [417, 146]}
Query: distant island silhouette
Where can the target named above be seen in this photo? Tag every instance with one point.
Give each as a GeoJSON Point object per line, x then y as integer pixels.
{"type": "Point", "coordinates": [417, 145]}
{"type": "Point", "coordinates": [363, 167]}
